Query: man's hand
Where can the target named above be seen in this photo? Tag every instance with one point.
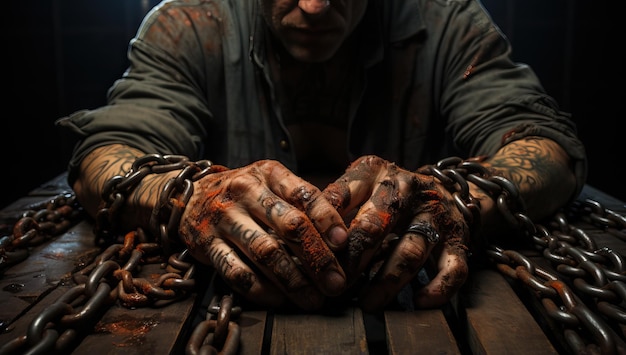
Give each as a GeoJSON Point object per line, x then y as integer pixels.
{"type": "Point", "coordinates": [268, 233]}
{"type": "Point", "coordinates": [414, 207]}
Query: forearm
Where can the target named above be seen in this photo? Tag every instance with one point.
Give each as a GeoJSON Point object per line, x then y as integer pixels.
{"type": "Point", "coordinates": [100, 166]}
{"type": "Point", "coordinates": [542, 172]}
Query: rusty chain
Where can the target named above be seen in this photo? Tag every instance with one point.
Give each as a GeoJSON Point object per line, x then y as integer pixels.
{"type": "Point", "coordinates": [219, 333]}
{"type": "Point", "coordinates": [166, 214]}
{"type": "Point", "coordinates": [112, 276]}
{"type": "Point", "coordinates": [37, 225]}
{"type": "Point", "coordinates": [583, 291]}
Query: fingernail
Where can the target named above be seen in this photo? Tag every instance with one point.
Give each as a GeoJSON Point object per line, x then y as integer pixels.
{"type": "Point", "coordinates": [338, 236]}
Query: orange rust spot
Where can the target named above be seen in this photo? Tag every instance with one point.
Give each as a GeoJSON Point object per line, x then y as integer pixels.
{"type": "Point", "coordinates": [558, 286]}
{"type": "Point", "coordinates": [468, 71]}
{"type": "Point", "coordinates": [146, 287]}
{"type": "Point", "coordinates": [433, 194]}
{"type": "Point", "coordinates": [213, 194]}
{"type": "Point", "coordinates": [132, 330]}
{"type": "Point", "coordinates": [317, 253]}
{"type": "Point", "coordinates": [221, 205]}
{"type": "Point", "coordinates": [385, 218]}
{"type": "Point", "coordinates": [203, 226]}
{"type": "Point", "coordinates": [178, 203]}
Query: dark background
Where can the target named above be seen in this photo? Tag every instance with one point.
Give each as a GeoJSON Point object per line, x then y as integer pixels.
{"type": "Point", "coordinates": [60, 56]}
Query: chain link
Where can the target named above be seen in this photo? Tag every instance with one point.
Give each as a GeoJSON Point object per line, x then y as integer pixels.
{"type": "Point", "coordinates": [219, 333]}
{"type": "Point", "coordinates": [583, 291]}
{"type": "Point", "coordinates": [172, 200]}
{"type": "Point", "coordinates": [37, 225]}
{"type": "Point", "coordinates": [109, 278]}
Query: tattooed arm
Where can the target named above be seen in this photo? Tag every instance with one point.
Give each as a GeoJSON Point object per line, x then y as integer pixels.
{"type": "Point", "coordinates": [105, 162]}
{"type": "Point", "coordinates": [248, 223]}
{"type": "Point", "coordinates": [389, 199]}
{"type": "Point", "coordinates": [542, 172]}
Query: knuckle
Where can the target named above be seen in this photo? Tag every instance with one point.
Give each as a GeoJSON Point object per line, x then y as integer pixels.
{"type": "Point", "coordinates": [305, 194]}
{"type": "Point", "coordinates": [461, 271]}
{"type": "Point", "coordinates": [368, 161]}
{"type": "Point", "coordinates": [374, 224]}
{"type": "Point", "coordinates": [242, 183]}
{"type": "Point", "coordinates": [240, 279]}
{"type": "Point", "coordinates": [412, 253]}
{"type": "Point", "coordinates": [265, 249]}
{"type": "Point", "coordinates": [295, 224]}
{"type": "Point", "coordinates": [412, 257]}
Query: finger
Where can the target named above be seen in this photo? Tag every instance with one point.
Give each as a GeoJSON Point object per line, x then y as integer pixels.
{"type": "Point", "coordinates": [401, 267]}
{"type": "Point", "coordinates": [452, 273]}
{"type": "Point", "coordinates": [355, 186]}
{"type": "Point", "coordinates": [301, 237]}
{"type": "Point", "coordinates": [221, 215]}
{"type": "Point", "coordinates": [241, 278]}
{"type": "Point", "coordinates": [309, 199]}
{"type": "Point", "coordinates": [275, 262]}
{"type": "Point", "coordinates": [388, 202]}
{"type": "Point", "coordinates": [295, 227]}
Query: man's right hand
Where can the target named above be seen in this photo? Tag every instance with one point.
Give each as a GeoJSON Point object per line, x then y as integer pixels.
{"type": "Point", "coordinates": [269, 233]}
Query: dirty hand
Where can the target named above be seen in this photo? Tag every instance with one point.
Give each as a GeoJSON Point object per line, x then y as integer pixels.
{"type": "Point", "coordinates": [268, 233]}
{"type": "Point", "coordinates": [423, 215]}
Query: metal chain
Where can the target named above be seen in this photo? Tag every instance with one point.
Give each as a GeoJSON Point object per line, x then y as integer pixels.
{"type": "Point", "coordinates": [37, 225]}
{"type": "Point", "coordinates": [592, 318]}
{"type": "Point", "coordinates": [583, 291]}
{"type": "Point", "coordinates": [118, 262]}
{"type": "Point", "coordinates": [168, 208]}
{"type": "Point", "coordinates": [219, 333]}
{"type": "Point", "coordinates": [110, 277]}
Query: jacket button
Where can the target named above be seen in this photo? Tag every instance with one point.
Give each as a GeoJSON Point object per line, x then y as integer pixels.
{"type": "Point", "coordinates": [284, 145]}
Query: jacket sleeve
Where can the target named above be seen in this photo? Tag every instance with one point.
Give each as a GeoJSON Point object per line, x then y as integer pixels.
{"type": "Point", "coordinates": [160, 105]}
{"type": "Point", "coordinates": [489, 100]}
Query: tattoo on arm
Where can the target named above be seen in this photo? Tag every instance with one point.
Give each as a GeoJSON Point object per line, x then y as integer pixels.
{"type": "Point", "coordinates": [110, 161]}
{"type": "Point", "coordinates": [528, 163]}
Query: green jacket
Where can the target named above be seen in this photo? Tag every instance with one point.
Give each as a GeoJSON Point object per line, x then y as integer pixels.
{"type": "Point", "coordinates": [437, 80]}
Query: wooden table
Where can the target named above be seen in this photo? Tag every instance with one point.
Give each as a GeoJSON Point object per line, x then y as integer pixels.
{"type": "Point", "coordinates": [491, 315]}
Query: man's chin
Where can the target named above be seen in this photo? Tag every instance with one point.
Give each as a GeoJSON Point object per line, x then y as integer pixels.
{"type": "Point", "coordinates": [312, 55]}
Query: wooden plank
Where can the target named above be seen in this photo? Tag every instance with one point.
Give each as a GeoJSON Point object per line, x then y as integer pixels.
{"type": "Point", "coordinates": [54, 186]}
{"type": "Point", "coordinates": [340, 333]}
{"type": "Point", "coordinates": [421, 329]}
{"type": "Point", "coordinates": [35, 197]}
{"type": "Point", "coordinates": [496, 319]}
{"type": "Point", "coordinates": [20, 325]}
{"type": "Point", "coordinates": [605, 199]}
{"type": "Point", "coordinates": [47, 265]}
{"type": "Point", "coordinates": [142, 330]}
{"type": "Point", "coordinates": [30, 286]}
{"type": "Point", "coordinates": [120, 330]}
{"type": "Point", "coordinates": [252, 324]}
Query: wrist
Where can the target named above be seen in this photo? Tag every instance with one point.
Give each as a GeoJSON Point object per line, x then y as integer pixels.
{"type": "Point", "coordinates": [152, 194]}
{"type": "Point", "coordinates": [490, 219]}
{"type": "Point", "coordinates": [142, 200]}
{"type": "Point", "coordinates": [473, 185]}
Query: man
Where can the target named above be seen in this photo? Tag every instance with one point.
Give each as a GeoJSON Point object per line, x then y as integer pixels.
{"type": "Point", "coordinates": [287, 94]}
